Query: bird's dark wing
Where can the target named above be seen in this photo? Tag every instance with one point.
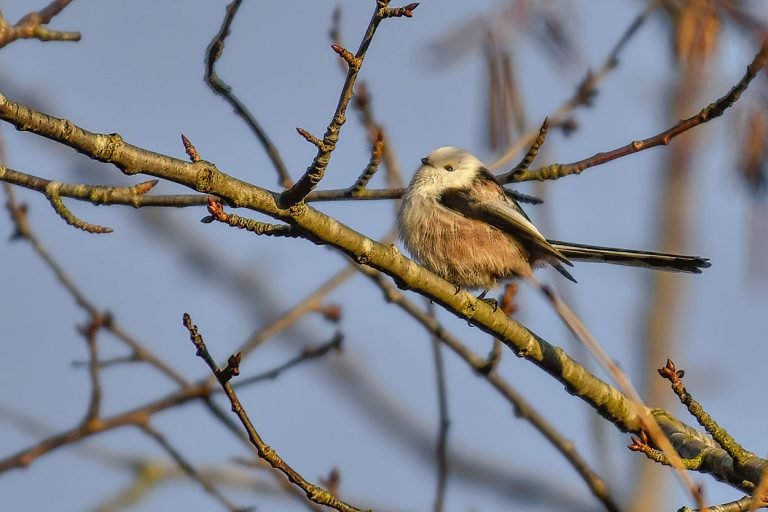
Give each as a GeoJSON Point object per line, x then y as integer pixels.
{"type": "Point", "coordinates": [485, 201]}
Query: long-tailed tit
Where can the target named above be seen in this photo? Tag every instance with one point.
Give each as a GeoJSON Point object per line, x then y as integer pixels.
{"type": "Point", "coordinates": [459, 222]}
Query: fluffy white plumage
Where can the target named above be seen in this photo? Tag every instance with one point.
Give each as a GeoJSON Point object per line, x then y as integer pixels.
{"type": "Point", "coordinates": [459, 222]}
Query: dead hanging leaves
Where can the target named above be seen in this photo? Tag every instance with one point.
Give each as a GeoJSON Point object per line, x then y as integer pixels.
{"type": "Point", "coordinates": [753, 155]}
{"type": "Point", "coordinates": [697, 29]}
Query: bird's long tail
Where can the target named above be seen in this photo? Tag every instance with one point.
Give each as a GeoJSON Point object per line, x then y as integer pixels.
{"type": "Point", "coordinates": [653, 260]}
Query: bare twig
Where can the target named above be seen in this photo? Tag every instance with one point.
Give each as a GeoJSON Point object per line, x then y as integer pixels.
{"type": "Point", "coordinates": [743, 505]}
{"type": "Point", "coordinates": [254, 226]}
{"type": "Point", "coordinates": [364, 104]}
{"type": "Point", "coordinates": [737, 452]}
{"type": "Point", "coordinates": [444, 422]}
{"type": "Point", "coordinates": [649, 423]}
{"type": "Point", "coordinates": [89, 332]}
{"type": "Point", "coordinates": [23, 230]}
{"type": "Point", "coordinates": [584, 92]}
{"type": "Point", "coordinates": [188, 467]}
{"type": "Point", "coordinates": [316, 171]}
{"type": "Point", "coordinates": [371, 168]}
{"type": "Point", "coordinates": [309, 353]}
{"type": "Point", "coordinates": [521, 406]}
{"type": "Point", "coordinates": [30, 26]}
{"type": "Point", "coordinates": [52, 193]}
{"type": "Point", "coordinates": [200, 390]}
{"type": "Point", "coordinates": [224, 375]}
{"type": "Point", "coordinates": [190, 149]}
{"type": "Point", "coordinates": [712, 111]}
{"type": "Point", "coordinates": [322, 229]}
{"type": "Point", "coordinates": [215, 49]}
{"type": "Point", "coordinates": [133, 417]}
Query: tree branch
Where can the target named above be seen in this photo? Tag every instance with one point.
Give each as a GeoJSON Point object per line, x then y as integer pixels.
{"type": "Point", "coordinates": [30, 26]}
{"type": "Point", "coordinates": [711, 111]}
{"type": "Point", "coordinates": [324, 230]}
{"type": "Point", "coordinates": [316, 171]}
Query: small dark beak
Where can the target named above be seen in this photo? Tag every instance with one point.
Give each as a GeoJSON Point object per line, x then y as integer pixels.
{"type": "Point", "coordinates": [425, 161]}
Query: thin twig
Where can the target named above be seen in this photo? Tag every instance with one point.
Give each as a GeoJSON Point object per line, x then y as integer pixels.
{"type": "Point", "coordinates": [745, 504]}
{"type": "Point", "coordinates": [215, 49]}
{"type": "Point", "coordinates": [224, 375]}
{"type": "Point", "coordinates": [52, 193]}
{"type": "Point", "coordinates": [316, 170]}
{"type": "Point", "coordinates": [206, 178]}
{"type": "Point", "coordinates": [373, 165]}
{"type": "Point", "coordinates": [309, 353]}
{"type": "Point", "coordinates": [711, 111]}
{"type": "Point", "coordinates": [649, 423]}
{"type": "Point", "coordinates": [217, 212]}
{"type": "Point", "coordinates": [24, 231]}
{"type": "Point", "coordinates": [737, 452]}
{"type": "Point", "coordinates": [30, 26]}
{"type": "Point", "coordinates": [89, 332]}
{"type": "Point", "coordinates": [200, 390]}
{"type": "Point", "coordinates": [444, 422]}
{"type": "Point", "coordinates": [522, 408]}
{"type": "Point", "coordinates": [364, 104]}
{"type": "Point", "coordinates": [188, 467]}
{"type": "Point", "coordinates": [584, 92]}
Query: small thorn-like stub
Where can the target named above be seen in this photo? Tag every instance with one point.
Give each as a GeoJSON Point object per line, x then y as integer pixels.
{"type": "Point", "coordinates": [192, 153]}
{"type": "Point", "coordinates": [19, 217]}
{"type": "Point", "coordinates": [548, 292]}
{"type": "Point", "coordinates": [208, 219]}
{"type": "Point", "coordinates": [639, 443]}
{"type": "Point", "coordinates": [670, 372]}
{"type": "Point", "coordinates": [396, 12]}
{"type": "Point", "coordinates": [331, 312]}
{"type": "Point", "coordinates": [587, 90]}
{"type": "Point", "coordinates": [349, 57]}
{"type": "Point", "coordinates": [569, 126]}
{"type": "Point", "coordinates": [532, 152]}
{"type": "Point", "coordinates": [333, 481]}
{"type": "Point", "coordinates": [216, 210]}
{"type": "Point", "coordinates": [493, 359]}
{"type": "Point", "coordinates": [373, 165]}
{"type": "Point", "coordinates": [311, 138]}
{"type": "Point", "coordinates": [145, 186]}
{"type": "Point", "coordinates": [194, 334]}
{"type": "Point", "coordinates": [232, 369]}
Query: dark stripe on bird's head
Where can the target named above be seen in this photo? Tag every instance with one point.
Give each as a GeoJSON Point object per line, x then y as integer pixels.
{"type": "Point", "coordinates": [484, 175]}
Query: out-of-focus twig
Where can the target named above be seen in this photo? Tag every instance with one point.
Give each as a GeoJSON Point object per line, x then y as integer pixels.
{"type": "Point", "coordinates": [523, 409]}
{"type": "Point", "coordinates": [649, 423]}
{"type": "Point", "coordinates": [444, 422]}
{"type": "Point", "coordinates": [584, 92]}
{"type": "Point", "coordinates": [30, 26]}
{"type": "Point", "coordinates": [213, 54]}
{"type": "Point", "coordinates": [187, 466]}
{"type": "Point", "coordinates": [24, 231]}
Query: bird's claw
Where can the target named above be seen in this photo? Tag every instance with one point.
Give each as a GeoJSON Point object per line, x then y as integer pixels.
{"type": "Point", "coordinates": [491, 302]}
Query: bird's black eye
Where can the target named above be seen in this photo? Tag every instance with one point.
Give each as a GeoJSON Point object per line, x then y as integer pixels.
{"type": "Point", "coordinates": [448, 167]}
